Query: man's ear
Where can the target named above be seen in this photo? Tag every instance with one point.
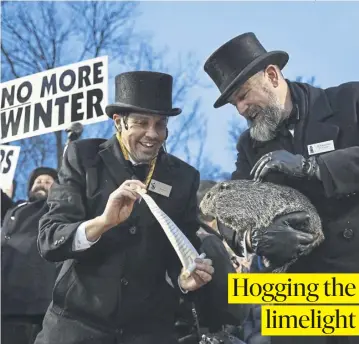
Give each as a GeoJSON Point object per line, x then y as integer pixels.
{"type": "Point", "coordinates": [272, 72]}
{"type": "Point", "coordinates": [117, 119]}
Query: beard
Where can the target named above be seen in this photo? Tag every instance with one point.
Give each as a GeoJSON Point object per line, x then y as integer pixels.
{"type": "Point", "coordinates": [143, 158]}
{"type": "Point", "coordinates": [141, 155]}
{"type": "Point", "coordinates": [38, 194]}
{"type": "Point", "coordinates": [264, 126]}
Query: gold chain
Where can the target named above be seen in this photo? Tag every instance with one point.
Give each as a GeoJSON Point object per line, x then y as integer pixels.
{"type": "Point", "coordinates": [126, 156]}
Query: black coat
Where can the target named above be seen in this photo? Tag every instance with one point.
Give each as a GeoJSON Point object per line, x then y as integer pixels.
{"type": "Point", "coordinates": [26, 278]}
{"type": "Point", "coordinates": [218, 312]}
{"type": "Point", "coordinates": [6, 204]}
{"type": "Point", "coordinates": [118, 283]}
{"type": "Point", "coordinates": [330, 114]}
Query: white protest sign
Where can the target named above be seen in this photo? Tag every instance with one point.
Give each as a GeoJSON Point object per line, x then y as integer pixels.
{"type": "Point", "coordinates": [8, 161]}
{"type": "Point", "coordinates": [50, 101]}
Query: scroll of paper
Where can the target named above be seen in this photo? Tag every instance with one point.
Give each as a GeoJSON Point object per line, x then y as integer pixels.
{"type": "Point", "coordinates": [183, 247]}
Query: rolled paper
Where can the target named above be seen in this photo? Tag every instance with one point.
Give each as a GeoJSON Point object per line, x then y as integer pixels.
{"type": "Point", "coordinates": [183, 247]}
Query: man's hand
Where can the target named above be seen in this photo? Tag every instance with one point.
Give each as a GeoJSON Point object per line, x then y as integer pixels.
{"type": "Point", "coordinates": [199, 277]}
{"type": "Point", "coordinates": [280, 242]}
{"type": "Point", "coordinates": [118, 208]}
{"type": "Point", "coordinates": [285, 162]}
{"type": "Point", "coordinates": [120, 203]}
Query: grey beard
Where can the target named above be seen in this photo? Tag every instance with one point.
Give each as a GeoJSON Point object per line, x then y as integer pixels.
{"type": "Point", "coordinates": [264, 128]}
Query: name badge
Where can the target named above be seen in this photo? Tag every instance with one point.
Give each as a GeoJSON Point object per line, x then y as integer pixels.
{"type": "Point", "coordinates": [321, 147]}
{"type": "Point", "coordinates": [160, 188]}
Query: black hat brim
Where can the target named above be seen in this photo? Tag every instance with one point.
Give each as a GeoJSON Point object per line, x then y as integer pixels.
{"type": "Point", "coordinates": [122, 107]}
{"type": "Point", "coordinates": [279, 58]}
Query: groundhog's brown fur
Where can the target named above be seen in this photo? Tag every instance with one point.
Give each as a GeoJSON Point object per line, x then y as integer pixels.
{"type": "Point", "coordinates": [244, 204]}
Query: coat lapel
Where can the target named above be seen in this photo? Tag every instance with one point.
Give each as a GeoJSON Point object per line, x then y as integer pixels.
{"type": "Point", "coordinates": [141, 210]}
{"type": "Point", "coordinates": [163, 174]}
{"type": "Point", "coordinates": [114, 161]}
{"type": "Point", "coordinates": [120, 171]}
{"type": "Point", "coordinates": [279, 143]}
{"type": "Point", "coordinates": [318, 127]}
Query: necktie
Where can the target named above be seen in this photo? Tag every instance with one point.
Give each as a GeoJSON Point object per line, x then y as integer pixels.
{"type": "Point", "coordinates": [141, 171]}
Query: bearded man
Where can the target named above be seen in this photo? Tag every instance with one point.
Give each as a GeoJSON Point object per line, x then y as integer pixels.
{"type": "Point", "coordinates": [301, 136]}
{"type": "Point", "coordinates": [26, 279]}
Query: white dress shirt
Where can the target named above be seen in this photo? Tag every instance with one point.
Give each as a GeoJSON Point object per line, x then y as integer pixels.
{"type": "Point", "coordinates": [81, 242]}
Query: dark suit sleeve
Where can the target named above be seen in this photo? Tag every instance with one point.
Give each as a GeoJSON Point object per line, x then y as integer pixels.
{"type": "Point", "coordinates": [66, 202]}
{"type": "Point", "coordinates": [339, 171]}
{"type": "Point", "coordinates": [243, 167]}
{"type": "Point", "coordinates": [6, 204]}
{"type": "Point", "coordinates": [189, 225]}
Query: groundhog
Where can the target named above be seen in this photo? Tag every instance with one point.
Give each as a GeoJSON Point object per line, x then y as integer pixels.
{"type": "Point", "coordinates": [244, 204]}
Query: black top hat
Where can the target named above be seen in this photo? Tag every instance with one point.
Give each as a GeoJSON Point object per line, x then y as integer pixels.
{"type": "Point", "coordinates": [236, 61]}
{"type": "Point", "coordinates": [144, 92]}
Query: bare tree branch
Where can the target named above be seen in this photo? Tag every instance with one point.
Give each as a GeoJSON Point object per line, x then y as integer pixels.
{"type": "Point", "coordinates": [10, 62]}
{"type": "Point", "coordinates": [43, 35]}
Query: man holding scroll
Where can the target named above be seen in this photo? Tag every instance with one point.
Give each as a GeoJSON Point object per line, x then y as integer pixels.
{"type": "Point", "coordinates": [112, 286]}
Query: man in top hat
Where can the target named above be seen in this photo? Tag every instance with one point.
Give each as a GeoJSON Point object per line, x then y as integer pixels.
{"type": "Point", "coordinates": [301, 136]}
{"type": "Point", "coordinates": [112, 287]}
{"type": "Point", "coordinates": [26, 279]}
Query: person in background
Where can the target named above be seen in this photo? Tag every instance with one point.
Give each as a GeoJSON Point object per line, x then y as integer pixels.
{"type": "Point", "coordinates": [11, 190]}
{"type": "Point", "coordinates": [7, 199]}
{"type": "Point", "coordinates": [26, 278]}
